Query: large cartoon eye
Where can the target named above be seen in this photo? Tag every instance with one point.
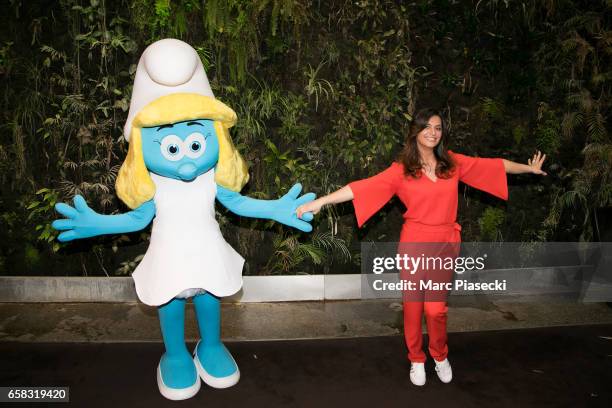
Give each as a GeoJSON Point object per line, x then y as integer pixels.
{"type": "Point", "coordinates": [172, 148]}
{"type": "Point", "coordinates": [195, 144]}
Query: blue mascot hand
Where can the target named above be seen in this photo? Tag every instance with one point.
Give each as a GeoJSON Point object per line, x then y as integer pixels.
{"type": "Point", "coordinates": [80, 222]}
{"type": "Point", "coordinates": [284, 209]}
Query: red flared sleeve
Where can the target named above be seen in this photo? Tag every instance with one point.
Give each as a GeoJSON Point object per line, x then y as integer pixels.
{"type": "Point", "coordinates": [369, 195]}
{"type": "Point", "coordinates": [488, 175]}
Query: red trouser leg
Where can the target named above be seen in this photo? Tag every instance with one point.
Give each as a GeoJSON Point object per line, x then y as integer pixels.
{"type": "Point", "coordinates": [435, 316]}
{"type": "Point", "coordinates": [413, 318]}
{"type": "Point", "coordinates": [414, 240]}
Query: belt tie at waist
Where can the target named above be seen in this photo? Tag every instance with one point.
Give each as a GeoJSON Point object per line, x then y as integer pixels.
{"type": "Point", "coordinates": [432, 228]}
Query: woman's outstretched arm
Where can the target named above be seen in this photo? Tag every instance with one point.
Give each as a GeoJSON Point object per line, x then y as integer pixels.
{"type": "Point", "coordinates": [368, 195]}
{"type": "Point", "coordinates": [338, 196]}
{"type": "Point", "coordinates": [534, 165]}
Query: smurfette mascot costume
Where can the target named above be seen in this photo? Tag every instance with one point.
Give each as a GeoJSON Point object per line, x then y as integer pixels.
{"type": "Point", "coordinates": [181, 159]}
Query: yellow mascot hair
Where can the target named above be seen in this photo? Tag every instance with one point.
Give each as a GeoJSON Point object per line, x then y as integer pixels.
{"type": "Point", "coordinates": [134, 185]}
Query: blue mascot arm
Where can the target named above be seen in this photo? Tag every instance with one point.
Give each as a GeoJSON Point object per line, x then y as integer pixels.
{"type": "Point", "coordinates": [281, 210]}
{"type": "Point", "coordinates": [83, 222]}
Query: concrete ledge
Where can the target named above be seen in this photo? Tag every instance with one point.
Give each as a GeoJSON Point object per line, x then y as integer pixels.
{"type": "Point", "coordinates": [526, 281]}
{"type": "Point", "coordinates": [121, 289]}
{"type": "Point", "coordinates": [66, 289]}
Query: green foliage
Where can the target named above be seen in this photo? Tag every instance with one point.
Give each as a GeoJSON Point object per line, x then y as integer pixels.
{"type": "Point", "coordinates": [584, 113]}
{"type": "Point", "coordinates": [41, 209]}
{"type": "Point", "coordinates": [490, 114]}
{"type": "Point", "coordinates": [492, 109]}
{"type": "Point", "coordinates": [518, 134]}
{"type": "Point", "coordinates": [235, 29]}
{"type": "Point", "coordinates": [548, 130]}
{"type": "Point", "coordinates": [317, 87]}
{"type": "Point", "coordinates": [451, 80]}
{"type": "Point", "coordinates": [127, 267]}
{"type": "Point", "coordinates": [163, 18]}
{"type": "Point", "coordinates": [289, 252]}
{"type": "Point", "coordinates": [324, 93]}
{"type": "Point", "coordinates": [5, 59]}
{"type": "Point", "coordinates": [576, 69]}
{"type": "Point", "coordinates": [281, 164]}
{"type": "Point", "coordinates": [31, 257]}
{"type": "Point", "coordinates": [589, 190]}
{"type": "Point", "coordinates": [490, 223]}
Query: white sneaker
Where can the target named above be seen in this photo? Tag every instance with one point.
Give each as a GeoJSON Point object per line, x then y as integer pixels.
{"type": "Point", "coordinates": [444, 371]}
{"type": "Point", "coordinates": [417, 373]}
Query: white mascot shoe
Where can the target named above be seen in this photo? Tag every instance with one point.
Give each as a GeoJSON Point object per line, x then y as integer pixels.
{"type": "Point", "coordinates": [176, 394]}
{"type": "Point", "coordinates": [211, 380]}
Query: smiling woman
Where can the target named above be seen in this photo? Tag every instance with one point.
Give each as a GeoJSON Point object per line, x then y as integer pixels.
{"type": "Point", "coordinates": [428, 133]}
{"type": "Point", "coordinates": [425, 177]}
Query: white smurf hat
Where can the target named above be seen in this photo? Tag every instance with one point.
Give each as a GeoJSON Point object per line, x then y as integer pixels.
{"type": "Point", "coordinates": [166, 67]}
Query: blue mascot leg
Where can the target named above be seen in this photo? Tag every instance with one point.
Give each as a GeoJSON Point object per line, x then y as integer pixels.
{"type": "Point", "coordinates": [214, 363]}
{"type": "Point", "coordinates": [177, 377]}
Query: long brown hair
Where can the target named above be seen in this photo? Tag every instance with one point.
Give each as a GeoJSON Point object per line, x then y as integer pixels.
{"type": "Point", "coordinates": [409, 155]}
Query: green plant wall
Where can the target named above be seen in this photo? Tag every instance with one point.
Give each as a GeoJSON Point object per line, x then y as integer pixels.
{"type": "Point", "coordinates": [324, 91]}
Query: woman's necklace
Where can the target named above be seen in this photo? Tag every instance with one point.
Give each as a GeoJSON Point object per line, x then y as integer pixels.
{"type": "Point", "coordinates": [430, 170]}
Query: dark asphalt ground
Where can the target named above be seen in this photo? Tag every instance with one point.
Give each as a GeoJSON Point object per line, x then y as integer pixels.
{"type": "Point", "coordinates": [550, 367]}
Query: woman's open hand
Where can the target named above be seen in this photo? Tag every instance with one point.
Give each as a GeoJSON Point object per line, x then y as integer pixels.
{"type": "Point", "coordinates": [535, 163]}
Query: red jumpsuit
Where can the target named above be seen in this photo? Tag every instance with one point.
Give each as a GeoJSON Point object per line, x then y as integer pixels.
{"type": "Point", "coordinates": [430, 217]}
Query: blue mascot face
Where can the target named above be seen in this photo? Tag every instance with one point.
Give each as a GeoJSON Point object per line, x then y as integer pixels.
{"type": "Point", "coordinates": [181, 151]}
